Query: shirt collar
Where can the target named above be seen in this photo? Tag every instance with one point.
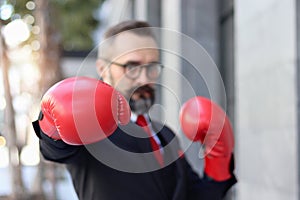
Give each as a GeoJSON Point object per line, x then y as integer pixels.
{"type": "Point", "coordinates": [134, 117]}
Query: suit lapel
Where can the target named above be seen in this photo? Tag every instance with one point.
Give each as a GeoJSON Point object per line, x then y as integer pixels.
{"type": "Point", "coordinates": [172, 154]}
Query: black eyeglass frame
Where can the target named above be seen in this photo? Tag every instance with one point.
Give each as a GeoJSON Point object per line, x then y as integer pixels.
{"type": "Point", "coordinates": [125, 66]}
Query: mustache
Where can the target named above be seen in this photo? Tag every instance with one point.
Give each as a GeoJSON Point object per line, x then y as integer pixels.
{"type": "Point", "coordinates": [144, 92]}
{"type": "Point", "coordinates": [141, 99]}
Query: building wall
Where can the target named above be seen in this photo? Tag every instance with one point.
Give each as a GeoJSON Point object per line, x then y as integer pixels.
{"type": "Point", "coordinates": [298, 83]}
{"type": "Point", "coordinates": [227, 51]}
{"type": "Point", "coordinates": [266, 100]}
{"type": "Point", "coordinates": [79, 66]}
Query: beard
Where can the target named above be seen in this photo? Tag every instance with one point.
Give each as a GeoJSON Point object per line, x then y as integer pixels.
{"type": "Point", "coordinates": [141, 99]}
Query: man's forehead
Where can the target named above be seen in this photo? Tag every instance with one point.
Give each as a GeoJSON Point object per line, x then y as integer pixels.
{"type": "Point", "coordinates": [127, 42]}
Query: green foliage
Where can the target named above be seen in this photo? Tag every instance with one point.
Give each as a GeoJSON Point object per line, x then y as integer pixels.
{"type": "Point", "coordinates": [73, 19]}
{"type": "Point", "coordinates": [20, 7]}
{"type": "Point", "coordinates": [76, 22]}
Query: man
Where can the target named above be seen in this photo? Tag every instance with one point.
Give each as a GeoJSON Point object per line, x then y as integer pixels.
{"type": "Point", "coordinates": [138, 160]}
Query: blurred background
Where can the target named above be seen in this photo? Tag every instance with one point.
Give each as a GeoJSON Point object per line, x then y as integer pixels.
{"type": "Point", "coordinates": [254, 43]}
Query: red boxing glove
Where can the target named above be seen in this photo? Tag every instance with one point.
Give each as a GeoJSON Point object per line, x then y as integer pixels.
{"type": "Point", "coordinates": [203, 120]}
{"type": "Point", "coordinates": [82, 110]}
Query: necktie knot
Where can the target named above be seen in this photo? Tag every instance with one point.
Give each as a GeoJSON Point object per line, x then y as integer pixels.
{"type": "Point", "coordinates": [141, 121]}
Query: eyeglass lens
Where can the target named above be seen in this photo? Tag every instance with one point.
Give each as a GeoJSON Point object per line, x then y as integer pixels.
{"type": "Point", "coordinates": [152, 70]}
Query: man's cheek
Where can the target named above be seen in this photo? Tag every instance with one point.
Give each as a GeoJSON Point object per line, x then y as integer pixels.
{"type": "Point", "coordinates": [123, 86]}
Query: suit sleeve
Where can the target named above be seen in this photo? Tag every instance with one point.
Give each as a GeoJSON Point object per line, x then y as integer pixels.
{"type": "Point", "coordinates": [56, 150]}
{"type": "Point", "coordinates": [197, 188]}
{"type": "Point", "coordinates": [205, 188]}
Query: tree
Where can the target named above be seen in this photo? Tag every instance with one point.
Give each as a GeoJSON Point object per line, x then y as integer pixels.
{"type": "Point", "coordinates": [61, 30]}
{"type": "Point", "coordinates": [50, 52]}
{"type": "Point", "coordinates": [76, 22]}
{"type": "Point", "coordinates": [18, 190]}
{"type": "Point", "coordinates": [64, 26]}
{"type": "Point", "coordinates": [73, 20]}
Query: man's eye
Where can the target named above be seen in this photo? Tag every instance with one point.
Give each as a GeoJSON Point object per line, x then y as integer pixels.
{"type": "Point", "coordinates": [132, 66]}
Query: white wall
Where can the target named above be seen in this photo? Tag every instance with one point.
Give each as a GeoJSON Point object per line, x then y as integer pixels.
{"type": "Point", "coordinates": [266, 106]}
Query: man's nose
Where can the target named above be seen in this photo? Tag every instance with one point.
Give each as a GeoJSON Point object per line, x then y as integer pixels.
{"type": "Point", "coordinates": [143, 78]}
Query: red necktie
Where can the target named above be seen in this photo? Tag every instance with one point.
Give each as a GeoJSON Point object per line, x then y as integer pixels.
{"type": "Point", "coordinates": [141, 121]}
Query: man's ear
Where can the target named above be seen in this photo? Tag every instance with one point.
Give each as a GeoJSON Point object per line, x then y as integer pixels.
{"type": "Point", "coordinates": [101, 67]}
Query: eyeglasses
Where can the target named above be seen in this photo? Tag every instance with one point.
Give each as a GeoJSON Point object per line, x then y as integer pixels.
{"type": "Point", "coordinates": [133, 69]}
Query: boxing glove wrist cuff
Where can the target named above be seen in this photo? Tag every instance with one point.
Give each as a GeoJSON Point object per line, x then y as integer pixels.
{"type": "Point", "coordinates": [217, 168]}
{"type": "Point", "coordinates": [47, 126]}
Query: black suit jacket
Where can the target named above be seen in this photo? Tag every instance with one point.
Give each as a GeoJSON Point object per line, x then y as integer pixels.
{"type": "Point", "coordinates": [123, 167]}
